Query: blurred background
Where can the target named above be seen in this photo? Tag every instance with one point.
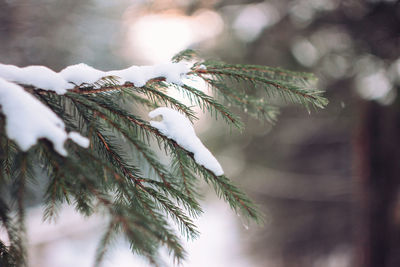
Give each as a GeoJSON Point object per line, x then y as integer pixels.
{"type": "Point", "coordinates": [328, 182]}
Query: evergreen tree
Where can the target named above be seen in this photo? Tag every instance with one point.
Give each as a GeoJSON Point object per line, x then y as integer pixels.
{"type": "Point", "coordinates": [121, 173]}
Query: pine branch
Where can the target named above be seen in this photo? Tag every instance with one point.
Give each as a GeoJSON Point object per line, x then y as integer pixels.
{"type": "Point", "coordinates": [156, 95]}
{"type": "Point", "coordinates": [104, 243]}
{"type": "Point", "coordinates": [186, 55]}
{"type": "Point", "coordinates": [185, 223]}
{"type": "Point", "coordinates": [161, 233]}
{"type": "Point", "coordinates": [287, 90]}
{"type": "Point", "coordinates": [209, 104]}
{"type": "Point", "coordinates": [21, 170]}
{"type": "Point", "coordinates": [224, 188]}
{"type": "Point", "coordinates": [55, 194]}
{"type": "Point", "coordinates": [182, 171]}
{"type": "Point", "coordinates": [255, 106]}
{"type": "Point", "coordinates": [182, 199]}
{"type": "Point", "coordinates": [84, 178]}
{"type": "Point", "coordinates": [141, 148]}
{"type": "Point", "coordinates": [8, 254]}
{"type": "Point", "coordinates": [120, 173]}
{"type": "Point", "coordinates": [268, 72]}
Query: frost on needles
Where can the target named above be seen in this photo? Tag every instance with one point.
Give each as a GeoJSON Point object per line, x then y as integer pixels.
{"type": "Point", "coordinates": [110, 166]}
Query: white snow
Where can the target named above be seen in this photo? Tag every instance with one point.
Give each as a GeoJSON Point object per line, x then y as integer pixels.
{"type": "Point", "coordinates": [139, 75]}
{"type": "Point", "coordinates": [46, 79]}
{"type": "Point", "coordinates": [176, 126]}
{"type": "Point", "coordinates": [38, 76]}
{"type": "Point", "coordinates": [28, 120]}
{"type": "Point", "coordinates": [81, 73]}
{"type": "Point", "coordinates": [79, 139]}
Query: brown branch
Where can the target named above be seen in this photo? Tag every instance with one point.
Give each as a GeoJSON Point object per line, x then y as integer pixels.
{"type": "Point", "coordinates": [82, 90]}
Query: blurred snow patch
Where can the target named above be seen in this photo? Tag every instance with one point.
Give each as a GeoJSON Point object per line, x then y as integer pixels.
{"type": "Point", "coordinates": [253, 19]}
{"type": "Point", "coordinates": [394, 71]}
{"type": "Point", "coordinates": [161, 36]}
{"type": "Point", "coordinates": [302, 12]}
{"type": "Point", "coordinates": [305, 52]}
{"type": "Point", "coordinates": [375, 86]}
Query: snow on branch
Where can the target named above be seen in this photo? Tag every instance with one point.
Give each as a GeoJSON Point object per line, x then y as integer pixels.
{"type": "Point", "coordinates": [177, 127]}
{"type": "Point", "coordinates": [37, 76]}
{"type": "Point", "coordinates": [75, 75]}
{"type": "Point", "coordinates": [28, 120]}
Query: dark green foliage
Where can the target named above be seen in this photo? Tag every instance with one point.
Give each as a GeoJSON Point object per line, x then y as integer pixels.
{"type": "Point", "coordinates": [121, 174]}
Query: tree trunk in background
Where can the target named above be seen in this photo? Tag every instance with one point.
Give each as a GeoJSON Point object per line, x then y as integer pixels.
{"type": "Point", "coordinates": [377, 149]}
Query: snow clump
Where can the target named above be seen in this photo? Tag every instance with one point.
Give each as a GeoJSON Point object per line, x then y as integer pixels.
{"type": "Point", "coordinates": [44, 78]}
{"type": "Point", "coordinates": [37, 76]}
{"type": "Point", "coordinates": [178, 128]}
{"type": "Point", "coordinates": [28, 120]}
